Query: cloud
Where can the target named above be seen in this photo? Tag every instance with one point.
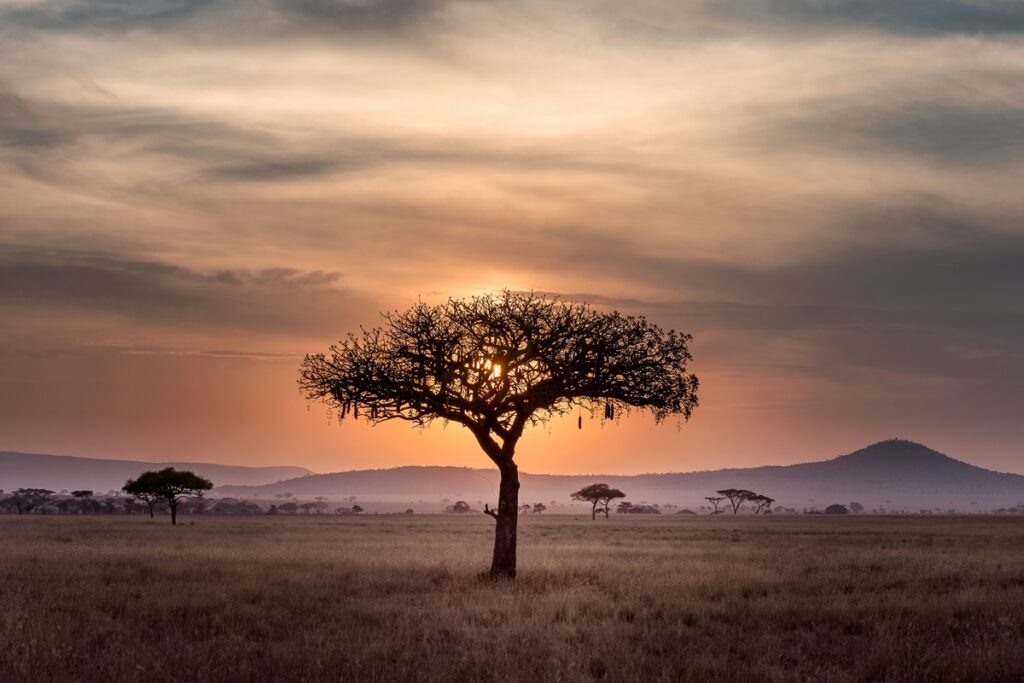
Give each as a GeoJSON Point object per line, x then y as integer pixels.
{"type": "Point", "coordinates": [905, 16]}
{"type": "Point", "coordinates": [262, 170]}
{"type": "Point", "coordinates": [929, 291]}
{"type": "Point", "coordinates": [280, 301]}
{"type": "Point", "coordinates": [234, 20]}
{"type": "Point", "coordinates": [955, 134]}
{"type": "Point", "coordinates": [111, 15]}
{"type": "Point", "coordinates": [659, 20]}
{"type": "Point", "coordinates": [359, 16]}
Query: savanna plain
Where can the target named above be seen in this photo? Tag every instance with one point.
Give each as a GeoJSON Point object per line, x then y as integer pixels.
{"type": "Point", "coordinates": [404, 598]}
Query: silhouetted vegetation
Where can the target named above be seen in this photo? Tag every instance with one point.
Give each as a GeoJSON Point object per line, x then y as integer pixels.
{"type": "Point", "coordinates": [738, 497]}
{"type": "Point", "coordinates": [715, 502]}
{"type": "Point", "coordinates": [168, 486]}
{"type": "Point", "coordinates": [497, 364]}
{"type": "Point", "coordinates": [26, 500]}
{"type": "Point", "coordinates": [625, 507]}
{"type": "Point", "coordinates": [599, 496]}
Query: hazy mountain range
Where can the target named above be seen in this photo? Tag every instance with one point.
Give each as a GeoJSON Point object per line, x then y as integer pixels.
{"type": "Point", "coordinates": [896, 474]}
{"type": "Point", "coordinates": [58, 472]}
{"type": "Point", "coordinates": [893, 473]}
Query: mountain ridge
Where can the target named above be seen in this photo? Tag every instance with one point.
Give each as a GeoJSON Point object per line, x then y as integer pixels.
{"type": "Point", "coordinates": [19, 469]}
{"type": "Point", "coordinates": [891, 472]}
{"type": "Point", "coordinates": [879, 473]}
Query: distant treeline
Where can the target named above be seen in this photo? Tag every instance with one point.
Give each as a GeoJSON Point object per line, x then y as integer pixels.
{"type": "Point", "coordinates": [46, 502]}
{"type": "Point", "coordinates": [37, 501]}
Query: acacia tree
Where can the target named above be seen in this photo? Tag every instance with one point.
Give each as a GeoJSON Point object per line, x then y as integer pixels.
{"type": "Point", "coordinates": [168, 485]}
{"type": "Point", "coordinates": [715, 501]}
{"type": "Point", "coordinates": [761, 503]}
{"type": "Point", "coordinates": [599, 496]}
{"type": "Point", "coordinates": [496, 364]}
{"type": "Point", "coordinates": [737, 497]}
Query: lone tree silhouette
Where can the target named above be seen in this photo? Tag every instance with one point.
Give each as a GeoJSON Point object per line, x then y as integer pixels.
{"type": "Point", "coordinates": [168, 485]}
{"type": "Point", "coordinates": [496, 364]}
{"type": "Point", "coordinates": [737, 497]}
{"type": "Point", "coordinates": [599, 496]}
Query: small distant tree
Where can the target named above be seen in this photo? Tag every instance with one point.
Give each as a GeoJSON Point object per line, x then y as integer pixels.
{"type": "Point", "coordinates": [715, 502]}
{"type": "Point", "coordinates": [737, 497]}
{"type": "Point", "coordinates": [599, 496]}
{"type": "Point", "coordinates": [82, 494]}
{"type": "Point", "coordinates": [625, 507]}
{"type": "Point", "coordinates": [539, 508]}
{"type": "Point", "coordinates": [836, 509]}
{"type": "Point", "coordinates": [410, 512]}
{"type": "Point", "coordinates": [524, 508]}
{"type": "Point", "coordinates": [761, 503]}
{"type": "Point", "coordinates": [234, 506]}
{"type": "Point", "coordinates": [856, 508]}
{"type": "Point", "coordinates": [356, 509]}
{"type": "Point", "coordinates": [168, 485]}
{"type": "Point", "coordinates": [289, 508]}
{"type": "Point", "coordinates": [459, 506]}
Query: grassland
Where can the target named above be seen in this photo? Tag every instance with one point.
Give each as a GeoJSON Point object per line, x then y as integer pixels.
{"type": "Point", "coordinates": [402, 598]}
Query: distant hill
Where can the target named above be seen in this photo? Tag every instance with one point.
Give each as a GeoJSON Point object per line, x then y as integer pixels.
{"type": "Point", "coordinates": [58, 472]}
{"type": "Point", "coordinates": [898, 474]}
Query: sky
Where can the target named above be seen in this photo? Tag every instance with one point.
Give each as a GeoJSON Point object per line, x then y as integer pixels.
{"type": "Point", "coordinates": [826, 193]}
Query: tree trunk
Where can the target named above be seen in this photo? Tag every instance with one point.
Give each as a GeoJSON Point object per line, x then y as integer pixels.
{"type": "Point", "coordinates": [151, 510]}
{"type": "Point", "coordinates": [593, 511]}
{"type": "Point", "coordinates": [174, 514]}
{"type": "Point", "coordinates": [503, 564]}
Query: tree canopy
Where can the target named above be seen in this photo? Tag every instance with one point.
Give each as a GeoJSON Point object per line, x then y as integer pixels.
{"type": "Point", "coordinates": [599, 496]}
{"type": "Point", "coordinates": [498, 363]}
{"type": "Point", "coordinates": [168, 485]}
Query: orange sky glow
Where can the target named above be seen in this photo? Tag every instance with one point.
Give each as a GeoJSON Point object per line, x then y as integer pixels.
{"type": "Point", "coordinates": [191, 200]}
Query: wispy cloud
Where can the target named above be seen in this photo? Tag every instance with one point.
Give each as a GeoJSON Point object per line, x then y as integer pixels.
{"type": "Point", "coordinates": [826, 193]}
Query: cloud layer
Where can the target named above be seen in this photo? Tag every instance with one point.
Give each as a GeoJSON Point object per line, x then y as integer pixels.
{"type": "Point", "coordinates": [827, 194]}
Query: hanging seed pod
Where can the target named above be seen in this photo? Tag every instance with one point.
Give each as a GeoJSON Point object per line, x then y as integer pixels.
{"type": "Point", "coordinates": [355, 411]}
{"type": "Point", "coordinates": [580, 422]}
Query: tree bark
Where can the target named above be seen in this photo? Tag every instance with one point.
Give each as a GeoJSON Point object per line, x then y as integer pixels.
{"type": "Point", "coordinates": [151, 510]}
{"type": "Point", "coordinates": [174, 514]}
{"type": "Point", "coordinates": [503, 563]}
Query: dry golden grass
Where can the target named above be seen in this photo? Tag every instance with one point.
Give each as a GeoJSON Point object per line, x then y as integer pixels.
{"type": "Point", "coordinates": [402, 598]}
